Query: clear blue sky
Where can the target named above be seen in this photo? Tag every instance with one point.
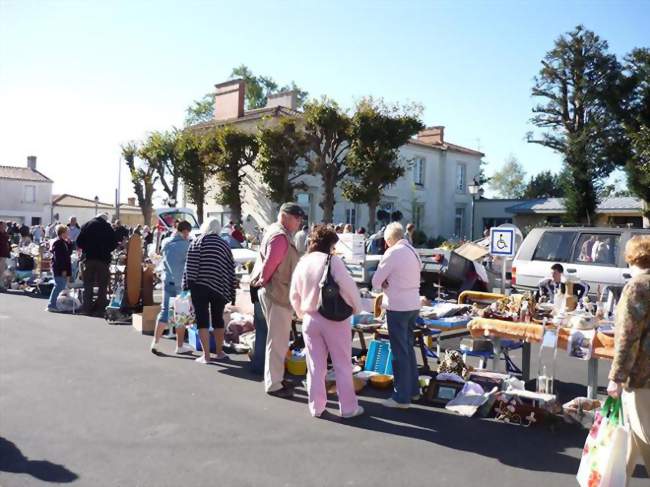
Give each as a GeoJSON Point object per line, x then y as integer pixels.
{"type": "Point", "coordinates": [79, 78]}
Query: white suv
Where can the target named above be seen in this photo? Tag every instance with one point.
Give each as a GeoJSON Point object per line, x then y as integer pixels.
{"type": "Point", "coordinates": [593, 255]}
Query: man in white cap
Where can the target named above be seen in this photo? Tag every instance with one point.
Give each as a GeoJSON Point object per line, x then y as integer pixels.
{"type": "Point", "coordinates": [272, 275]}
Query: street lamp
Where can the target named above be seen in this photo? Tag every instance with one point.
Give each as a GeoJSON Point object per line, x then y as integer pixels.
{"type": "Point", "coordinates": [474, 189]}
{"type": "Point", "coordinates": [96, 205]}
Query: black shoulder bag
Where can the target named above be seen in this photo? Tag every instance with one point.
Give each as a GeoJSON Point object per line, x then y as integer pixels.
{"type": "Point", "coordinates": [331, 304]}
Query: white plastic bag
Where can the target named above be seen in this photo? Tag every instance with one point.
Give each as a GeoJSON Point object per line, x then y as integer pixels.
{"type": "Point", "coordinates": [183, 310]}
{"type": "Point", "coordinates": [603, 462]}
{"type": "Point", "coordinates": [67, 302]}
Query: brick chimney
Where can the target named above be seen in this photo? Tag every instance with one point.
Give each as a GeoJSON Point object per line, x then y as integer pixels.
{"type": "Point", "coordinates": [287, 99]}
{"type": "Point", "coordinates": [229, 99]}
{"type": "Point", "coordinates": [31, 162]}
{"type": "Point", "coordinates": [432, 135]}
{"type": "Point", "coordinates": [130, 201]}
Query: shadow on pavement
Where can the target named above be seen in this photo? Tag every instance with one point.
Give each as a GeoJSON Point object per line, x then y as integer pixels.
{"type": "Point", "coordinates": [12, 460]}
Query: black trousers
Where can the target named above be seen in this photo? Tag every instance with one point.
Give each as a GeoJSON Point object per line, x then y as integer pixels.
{"type": "Point", "coordinates": [207, 302]}
{"type": "Point", "coordinates": [95, 274]}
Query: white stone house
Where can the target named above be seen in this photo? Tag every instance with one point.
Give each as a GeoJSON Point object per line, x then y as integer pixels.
{"type": "Point", "coordinates": [25, 194]}
{"type": "Point", "coordinates": [432, 194]}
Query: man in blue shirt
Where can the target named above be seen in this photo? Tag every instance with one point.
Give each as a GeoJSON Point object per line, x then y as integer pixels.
{"type": "Point", "coordinates": [174, 252]}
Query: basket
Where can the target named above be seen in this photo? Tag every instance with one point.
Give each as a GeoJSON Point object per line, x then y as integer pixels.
{"type": "Point", "coordinates": [381, 381]}
{"type": "Point", "coordinates": [379, 358]}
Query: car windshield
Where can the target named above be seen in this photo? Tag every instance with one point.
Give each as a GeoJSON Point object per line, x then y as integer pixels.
{"type": "Point", "coordinates": [171, 217]}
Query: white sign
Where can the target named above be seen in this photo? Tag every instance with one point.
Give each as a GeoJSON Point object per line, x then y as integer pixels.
{"type": "Point", "coordinates": [502, 242]}
{"type": "Point", "coordinates": [351, 247]}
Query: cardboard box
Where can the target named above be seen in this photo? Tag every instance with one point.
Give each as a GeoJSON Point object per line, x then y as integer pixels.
{"type": "Point", "coordinates": [145, 322]}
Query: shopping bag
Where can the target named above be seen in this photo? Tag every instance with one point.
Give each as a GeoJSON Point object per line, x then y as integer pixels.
{"type": "Point", "coordinates": [183, 310]}
{"type": "Point", "coordinates": [603, 462]}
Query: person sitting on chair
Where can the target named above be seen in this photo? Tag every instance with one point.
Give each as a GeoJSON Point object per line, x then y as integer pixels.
{"type": "Point", "coordinates": [549, 286]}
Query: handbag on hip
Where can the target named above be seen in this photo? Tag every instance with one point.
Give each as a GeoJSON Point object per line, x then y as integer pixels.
{"type": "Point", "coordinates": [330, 303]}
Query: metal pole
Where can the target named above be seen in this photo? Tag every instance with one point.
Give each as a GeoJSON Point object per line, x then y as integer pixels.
{"type": "Point", "coordinates": [471, 232]}
{"type": "Point", "coordinates": [503, 275]}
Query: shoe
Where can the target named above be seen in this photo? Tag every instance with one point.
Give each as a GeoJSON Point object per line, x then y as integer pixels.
{"type": "Point", "coordinates": [51, 310]}
{"type": "Point", "coordinates": [221, 356]}
{"type": "Point", "coordinates": [392, 403]}
{"type": "Point", "coordinates": [201, 360]}
{"type": "Point", "coordinates": [183, 349]}
{"type": "Point", "coordinates": [284, 393]}
{"type": "Point", "coordinates": [357, 412]}
{"type": "Point", "coordinates": [154, 348]}
{"type": "Point", "coordinates": [416, 397]}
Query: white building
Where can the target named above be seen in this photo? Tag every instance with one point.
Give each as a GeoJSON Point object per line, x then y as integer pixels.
{"type": "Point", "coordinates": [432, 194]}
{"type": "Point", "coordinates": [25, 194]}
{"type": "Point", "coordinates": [65, 206]}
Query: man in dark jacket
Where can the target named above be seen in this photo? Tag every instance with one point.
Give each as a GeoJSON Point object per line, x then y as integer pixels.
{"type": "Point", "coordinates": [97, 242]}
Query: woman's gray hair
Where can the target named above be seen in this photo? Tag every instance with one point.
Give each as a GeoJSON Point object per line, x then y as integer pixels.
{"type": "Point", "coordinates": [211, 225]}
{"type": "Point", "coordinates": [394, 232]}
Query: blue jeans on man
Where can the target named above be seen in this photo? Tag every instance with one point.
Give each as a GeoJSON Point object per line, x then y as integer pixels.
{"type": "Point", "coordinates": [261, 330]}
{"type": "Point", "coordinates": [60, 283]}
{"type": "Point", "coordinates": [401, 325]}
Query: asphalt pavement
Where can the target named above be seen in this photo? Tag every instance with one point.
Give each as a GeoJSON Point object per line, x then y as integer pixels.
{"type": "Point", "coordinates": [86, 403]}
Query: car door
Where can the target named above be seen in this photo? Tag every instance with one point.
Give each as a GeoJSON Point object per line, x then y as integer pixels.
{"type": "Point", "coordinates": [595, 259]}
{"type": "Point", "coordinates": [554, 246]}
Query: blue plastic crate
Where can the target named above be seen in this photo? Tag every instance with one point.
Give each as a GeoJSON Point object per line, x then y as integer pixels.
{"type": "Point", "coordinates": [195, 343]}
{"type": "Point", "coordinates": [379, 358]}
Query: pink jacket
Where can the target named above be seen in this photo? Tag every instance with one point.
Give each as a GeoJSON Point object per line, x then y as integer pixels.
{"type": "Point", "coordinates": [305, 283]}
{"type": "Point", "coordinates": [400, 268]}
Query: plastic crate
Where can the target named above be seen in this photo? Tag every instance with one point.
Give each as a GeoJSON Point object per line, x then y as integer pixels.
{"type": "Point", "coordinates": [379, 358]}
{"type": "Point", "coordinates": [195, 343]}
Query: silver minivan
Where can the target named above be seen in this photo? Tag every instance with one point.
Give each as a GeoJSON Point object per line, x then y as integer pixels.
{"type": "Point", "coordinates": [592, 254]}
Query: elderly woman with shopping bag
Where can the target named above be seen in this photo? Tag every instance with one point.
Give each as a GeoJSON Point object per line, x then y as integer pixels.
{"type": "Point", "coordinates": [317, 273]}
{"type": "Point", "coordinates": [630, 372]}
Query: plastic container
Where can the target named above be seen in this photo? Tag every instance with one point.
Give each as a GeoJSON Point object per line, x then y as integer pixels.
{"type": "Point", "coordinates": [379, 358]}
{"type": "Point", "coordinates": [296, 365]}
{"type": "Point", "coordinates": [195, 343]}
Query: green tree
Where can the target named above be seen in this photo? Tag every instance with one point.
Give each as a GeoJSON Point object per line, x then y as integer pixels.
{"type": "Point", "coordinates": [235, 151]}
{"type": "Point", "coordinates": [281, 161]}
{"type": "Point", "coordinates": [632, 109]}
{"type": "Point", "coordinates": [160, 150]}
{"type": "Point", "coordinates": [508, 182]}
{"type": "Point", "coordinates": [544, 185]}
{"type": "Point", "coordinates": [258, 89]}
{"type": "Point", "coordinates": [196, 155]}
{"type": "Point", "coordinates": [328, 133]}
{"type": "Point", "coordinates": [576, 80]}
{"type": "Point", "coordinates": [143, 178]}
{"type": "Point", "coordinates": [374, 164]}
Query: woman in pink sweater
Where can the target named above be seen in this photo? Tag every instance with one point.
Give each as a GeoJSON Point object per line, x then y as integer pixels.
{"type": "Point", "coordinates": [323, 336]}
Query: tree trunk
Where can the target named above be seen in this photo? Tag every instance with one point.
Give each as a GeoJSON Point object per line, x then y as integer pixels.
{"type": "Point", "coordinates": [199, 210]}
{"type": "Point", "coordinates": [146, 213]}
{"type": "Point", "coordinates": [372, 217]}
{"type": "Point", "coordinates": [329, 184]}
{"type": "Point", "coordinates": [235, 209]}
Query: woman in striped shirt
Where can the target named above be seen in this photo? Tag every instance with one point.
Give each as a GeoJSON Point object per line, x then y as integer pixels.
{"type": "Point", "coordinates": [210, 277]}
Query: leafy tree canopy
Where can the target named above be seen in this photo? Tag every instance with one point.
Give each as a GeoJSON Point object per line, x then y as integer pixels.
{"type": "Point", "coordinates": [508, 182]}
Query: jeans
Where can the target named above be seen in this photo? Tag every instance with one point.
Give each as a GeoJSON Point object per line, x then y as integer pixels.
{"type": "Point", "coordinates": [59, 285]}
{"type": "Point", "coordinates": [169, 291]}
{"type": "Point", "coordinates": [405, 368]}
{"type": "Point", "coordinates": [259, 352]}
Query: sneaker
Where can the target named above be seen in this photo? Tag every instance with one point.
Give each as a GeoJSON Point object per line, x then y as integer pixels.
{"type": "Point", "coordinates": [392, 403]}
{"type": "Point", "coordinates": [221, 356]}
{"type": "Point", "coordinates": [154, 348]}
{"type": "Point", "coordinates": [357, 412]}
{"type": "Point", "coordinates": [416, 397]}
{"type": "Point", "coordinates": [284, 393]}
{"type": "Point", "coordinates": [201, 360]}
{"type": "Point", "coordinates": [184, 349]}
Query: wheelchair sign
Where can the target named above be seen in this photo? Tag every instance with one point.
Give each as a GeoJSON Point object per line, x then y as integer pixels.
{"type": "Point", "coordinates": [502, 242]}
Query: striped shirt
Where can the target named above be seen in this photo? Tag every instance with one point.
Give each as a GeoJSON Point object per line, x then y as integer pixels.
{"type": "Point", "coordinates": [211, 264]}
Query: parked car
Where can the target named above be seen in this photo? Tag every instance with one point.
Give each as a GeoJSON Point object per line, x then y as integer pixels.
{"type": "Point", "coordinates": [593, 255]}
